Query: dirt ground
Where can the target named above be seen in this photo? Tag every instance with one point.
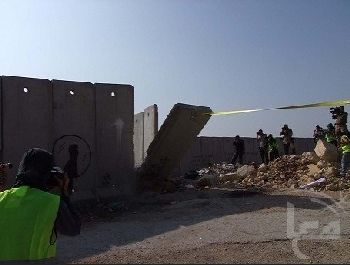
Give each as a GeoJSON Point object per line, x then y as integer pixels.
{"type": "Point", "coordinates": [216, 226]}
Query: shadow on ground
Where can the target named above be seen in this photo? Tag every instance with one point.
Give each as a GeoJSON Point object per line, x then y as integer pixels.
{"type": "Point", "coordinates": [154, 214]}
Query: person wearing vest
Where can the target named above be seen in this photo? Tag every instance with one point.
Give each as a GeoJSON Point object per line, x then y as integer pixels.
{"type": "Point", "coordinates": [330, 134]}
{"type": "Point", "coordinates": [272, 148]}
{"type": "Point", "coordinates": [345, 160]}
{"type": "Point", "coordinates": [31, 215]}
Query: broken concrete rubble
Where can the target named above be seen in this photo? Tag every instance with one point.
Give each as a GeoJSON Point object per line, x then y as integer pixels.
{"type": "Point", "coordinates": [326, 151]}
{"type": "Point", "coordinates": [293, 171]}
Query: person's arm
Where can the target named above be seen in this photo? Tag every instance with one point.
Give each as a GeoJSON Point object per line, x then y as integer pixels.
{"type": "Point", "coordinates": [68, 220]}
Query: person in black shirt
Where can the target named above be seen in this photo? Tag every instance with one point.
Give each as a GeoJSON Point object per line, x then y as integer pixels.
{"type": "Point", "coordinates": [238, 143]}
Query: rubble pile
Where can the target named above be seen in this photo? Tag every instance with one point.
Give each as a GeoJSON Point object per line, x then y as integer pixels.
{"type": "Point", "coordinates": [288, 171]}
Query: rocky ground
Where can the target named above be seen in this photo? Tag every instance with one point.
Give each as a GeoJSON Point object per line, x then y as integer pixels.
{"type": "Point", "coordinates": [309, 170]}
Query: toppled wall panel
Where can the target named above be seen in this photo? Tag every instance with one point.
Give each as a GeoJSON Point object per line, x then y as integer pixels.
{"type": "Point", "coordinates": [174, 138]}
{"type": "Point", "coordinates": [114, 137]}
{"type": "Point", "coordinates": [26, 116]}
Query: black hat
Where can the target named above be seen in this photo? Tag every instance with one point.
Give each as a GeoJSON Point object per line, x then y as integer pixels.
{"type": "Point", "coordinates": [36, 168]}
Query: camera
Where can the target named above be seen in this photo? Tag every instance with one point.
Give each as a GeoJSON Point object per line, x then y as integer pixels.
{"type": "Point", "coordinates": [5, 165]}
{"type": "Point", "coordinates": [336, 112]}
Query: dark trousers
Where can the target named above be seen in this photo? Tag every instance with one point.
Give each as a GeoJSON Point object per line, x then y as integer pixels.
{"type": "Point", "coordinates": [238, 156]}
{"type": "Point", "coordinates": [263, 155]}
{"type": "Point", "coordinates": [286, 148]}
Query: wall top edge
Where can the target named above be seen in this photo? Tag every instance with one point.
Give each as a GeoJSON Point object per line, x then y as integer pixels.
{"type": "Point", "coordinates": [70, 81]}
{"type": "Point", "coordinates": [24, 77]}
{"type": "Point", "coordinates": [114, 85]}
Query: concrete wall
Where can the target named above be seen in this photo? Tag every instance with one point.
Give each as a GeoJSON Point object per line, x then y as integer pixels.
{"type": "Point", "coordinates": [57, 114]}
{"type": "Point", "coordinates": [74, 114]}
{"type": "Point", "coordinates": [207, 150]}
{"type": "Point", "coordinates": [145, 129]}
{"type": "Point", "coordinates": [172, 141]}
{"type": "Point", "coordinates": [26, 118]}
{"type": "Point", "coordinates": [114, 117]}
{"type": "Point", "coordinates": [150, 126]}
{"type": "Point", "coordinates": [138, 139]}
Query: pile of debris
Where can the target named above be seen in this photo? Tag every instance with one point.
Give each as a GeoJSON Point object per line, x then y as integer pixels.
{"type": "Point", "coordinates": [317, 170]}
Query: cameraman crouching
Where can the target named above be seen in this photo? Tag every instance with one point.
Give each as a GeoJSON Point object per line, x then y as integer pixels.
{"type": "Point", "coordinates": [30, 215]}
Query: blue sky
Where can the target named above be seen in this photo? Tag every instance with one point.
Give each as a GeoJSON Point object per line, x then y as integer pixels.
{"type": "Point", "coordinates": [223, 54]}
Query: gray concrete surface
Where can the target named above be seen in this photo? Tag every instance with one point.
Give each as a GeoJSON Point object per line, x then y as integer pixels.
{"type": "Point", "coordinates": [150, 126]}
{"type": "Point", "coordinates": [174, 138]}
{"type": "Point", "coordinates": [138, 139]}
{"type": "Point", "coordinates": [114, 137]}
{"type": "Point", "coordinates": [145, 129]}
{"type": "Point", "coordinates": [57, 114]}
{"type": "Point", "coordinates": [26, 118]}
{"type": "Point", "coordinates": [74, 114]}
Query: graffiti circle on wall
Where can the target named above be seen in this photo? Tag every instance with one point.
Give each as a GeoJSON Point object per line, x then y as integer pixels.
{"type": "Point", "coordinates": [72, 152]}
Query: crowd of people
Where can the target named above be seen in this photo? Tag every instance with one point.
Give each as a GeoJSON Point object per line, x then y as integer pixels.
{"type": "Point", "coordinates": [336, 134]}
{"type": "Point", "coordinates": [267, 145]}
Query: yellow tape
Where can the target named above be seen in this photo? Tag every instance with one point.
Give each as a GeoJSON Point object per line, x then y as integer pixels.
{"type": "Point", "coordinates": [312, 105]}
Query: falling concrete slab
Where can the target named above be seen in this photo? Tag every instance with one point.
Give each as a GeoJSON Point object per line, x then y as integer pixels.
{"type": "Point", "coordinates": [174, 138]}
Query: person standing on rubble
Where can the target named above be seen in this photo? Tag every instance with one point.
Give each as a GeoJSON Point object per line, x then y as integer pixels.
{"type": "Point", "coordinates": [238, 143]}
{"type": "Point", "coordinates": [287, 134]}
{"type": "Point", "coordinates": [319, 134]}
{"type": "Point", "coordinates": [261, 138]}
{"type": "Point", "coordinates": [330, 134]}
{"type": "Point", "coordinates": [345, 160]}
{"type": "Point", "coordinates": [35, 209]}
{"type": "Point", "coordinates": [272, 148]}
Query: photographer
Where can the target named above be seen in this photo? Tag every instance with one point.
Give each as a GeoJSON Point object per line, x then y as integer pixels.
{"type": "Point", "coordinates": [35, 209]}
{"type": "Point", "coordinates": [330, 135]}
{"type": "Point", "coordinates": [319, 134]}
{"type": "Point", "coordinates": [345, 160]}
{"type": "Point", "coordinates": [341, 119]}
{"type": "Point", "coordinates": [287, 134]}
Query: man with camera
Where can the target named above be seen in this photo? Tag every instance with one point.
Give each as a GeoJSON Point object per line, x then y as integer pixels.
{"type": "Point", "coordinates": [35, 209]}
{"type": "Point", "coordinates": [341, 119]}
{"type": "Point", "coordinates": [287, 134]}
{"type": "Point", "coordinates": [319, 134]}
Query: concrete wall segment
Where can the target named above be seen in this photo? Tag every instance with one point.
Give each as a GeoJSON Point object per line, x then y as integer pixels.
{"type": "Point", "coordinates": [115, 127]}
{"type": "Point", "coordinates": [139, 138]}
{"type": "Point", "coordinates": [74, 123]}
{"type": "Point", "coordinates": [150, 126]}
{"type": "Point", "coordinates": [26, 118]}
